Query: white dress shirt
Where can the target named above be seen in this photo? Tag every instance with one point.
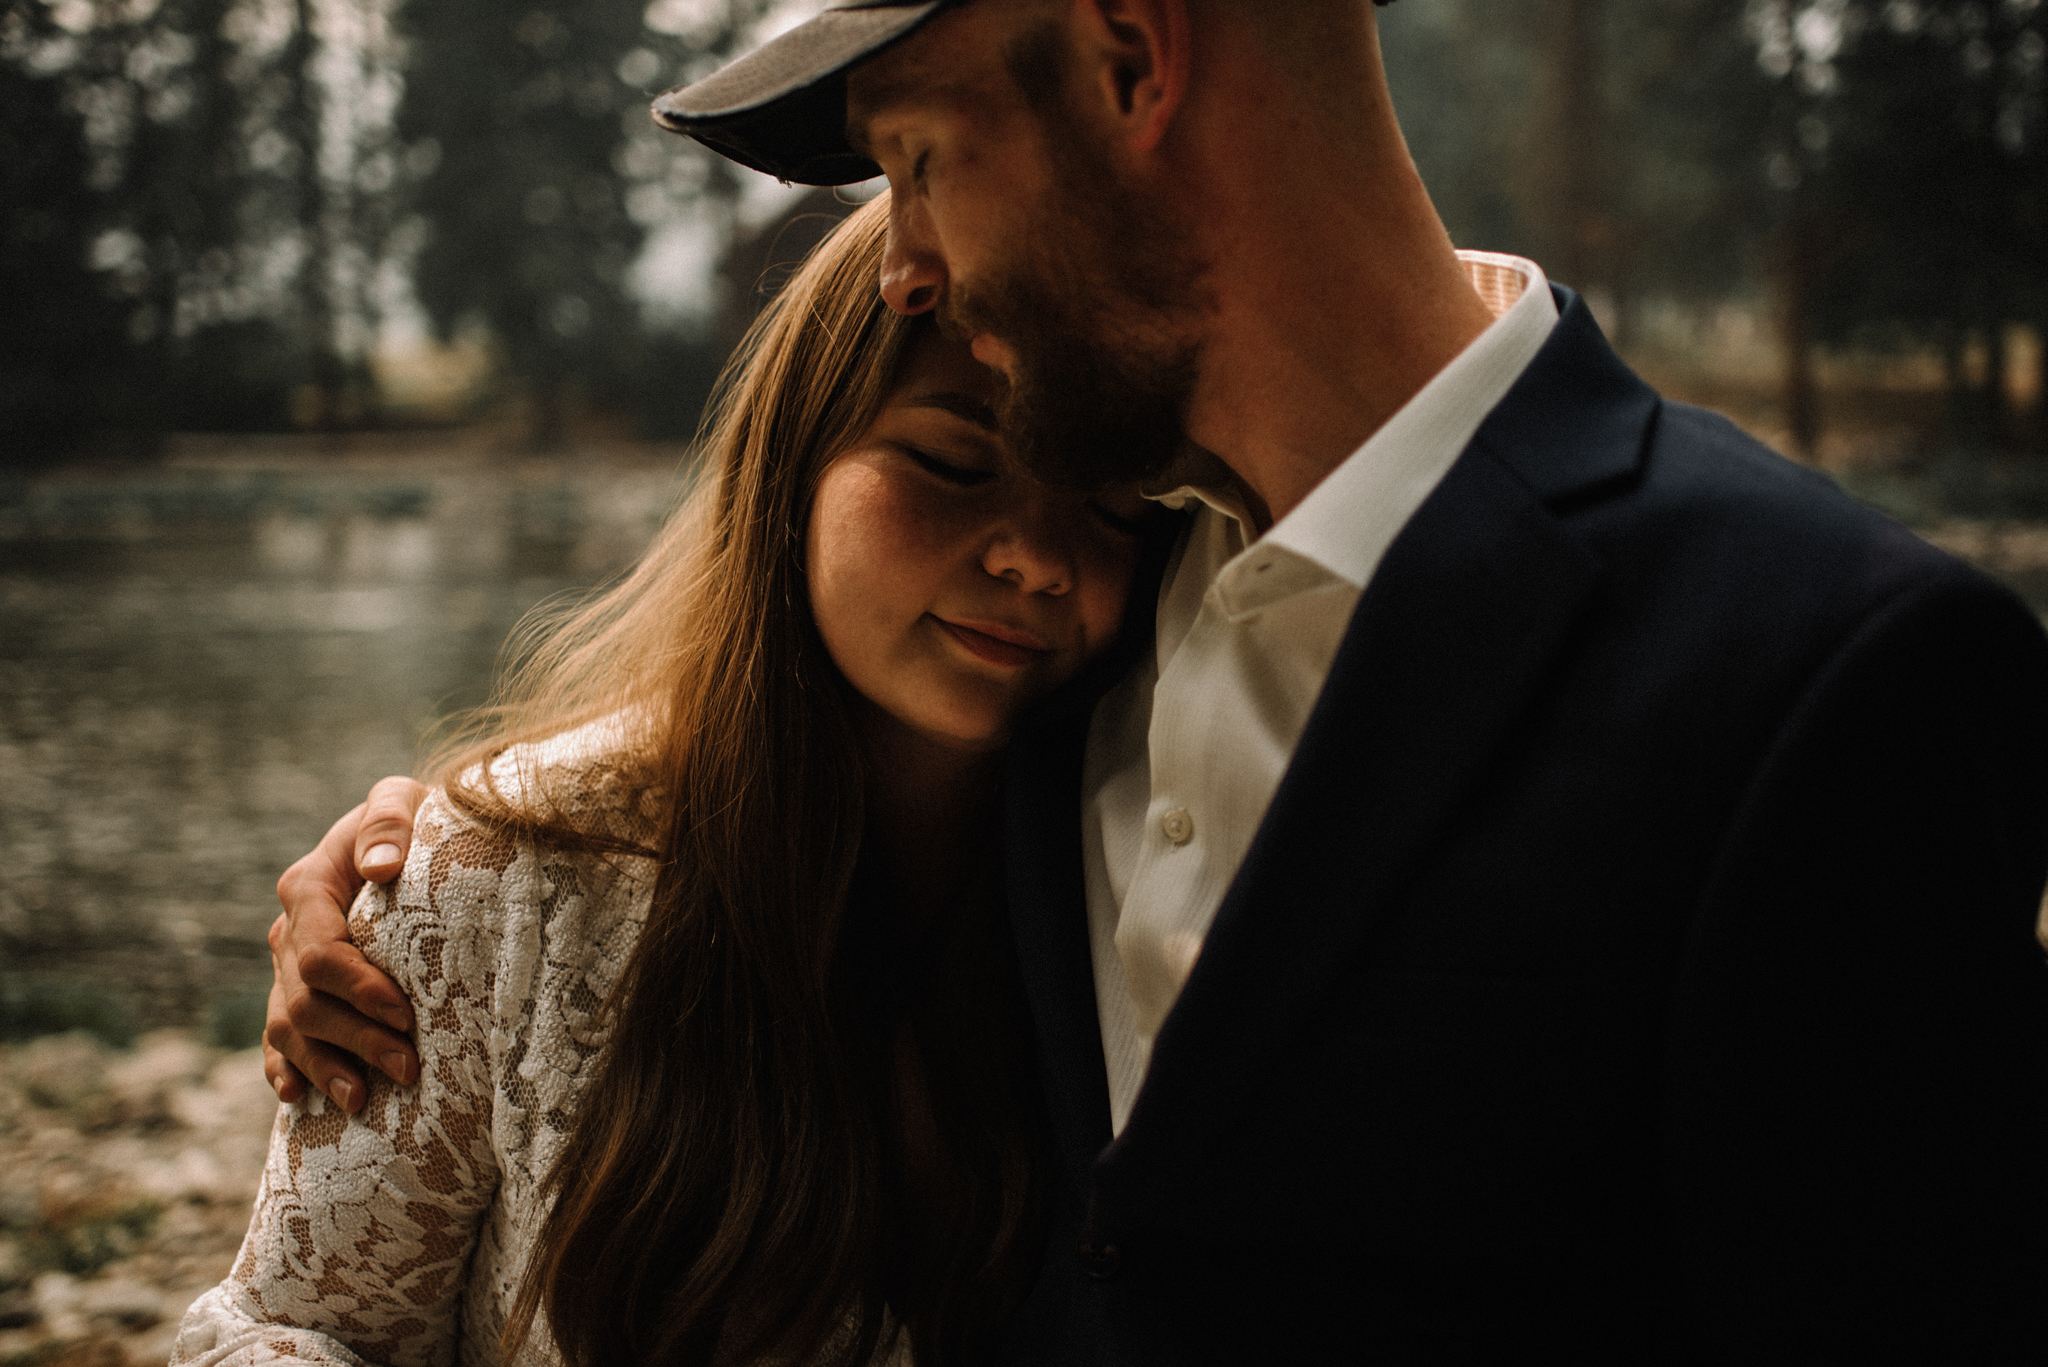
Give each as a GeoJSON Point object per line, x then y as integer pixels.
{"type": "Point", "coordinates": [1185, 754]}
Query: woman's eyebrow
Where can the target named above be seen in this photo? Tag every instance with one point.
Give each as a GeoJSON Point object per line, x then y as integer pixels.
{"type": "Point", "coordinates": [963, 406]}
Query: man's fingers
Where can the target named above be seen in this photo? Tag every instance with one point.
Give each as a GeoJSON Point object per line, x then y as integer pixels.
{"type": "Point", "coordinates": [314, 1021]}
{"type": "Point", "coordinates": [332, 1010]}
{"type": "Point", "coordinates": [338, 969]}
{"type": "Point", "coordinates": [320, 1018]}
{"type": "Point", "coordinates": [327, 1068]}
{"type": "Point", "coordinates": [288, 1082]}
{"type": "Point", "coordinates": [384, 838]}
{"type": "Point", "coordinates": [340, 1076]}
{"type": "Point", "coordinates": [312, 936]}
{"type": "Point", "coordinates": [324, 881]}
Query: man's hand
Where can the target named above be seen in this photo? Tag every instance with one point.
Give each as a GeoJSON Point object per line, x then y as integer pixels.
{"type": "Point", "coordinates": [327, 1001]}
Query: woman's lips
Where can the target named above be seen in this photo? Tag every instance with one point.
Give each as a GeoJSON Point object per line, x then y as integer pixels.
{"type": "Point", "coordinates": [996, 643]}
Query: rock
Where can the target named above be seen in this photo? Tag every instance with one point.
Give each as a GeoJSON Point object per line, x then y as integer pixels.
{"type": "Point", "coordinates": [58, 1305]}
{"type": "Point", "coordinates": [236, 1096]}
{"type": "Point", "coordinates": [18, 1308]}
{"type": "Point", "coordinates": [154, 1345]}
{"type": "Point", "coordinates": [92, 1352]}
{"type": "Point", "coordinates": [21, 1345]}
{"type": "Point", "coordinates": [125, 1185]}
{"type": "Point", "coordinates": [232, 1115]}
{"type": "Point", "coordinates": [17, 1204]}
{"type": "Point", "coordinates": [193, 1174]}
{"type": "Point", "coordinates": [120, 1303]}
{"type": "Point", "coordinates": [141, 1086]}
{"type": "Point", "coordinates": [63, 1073]}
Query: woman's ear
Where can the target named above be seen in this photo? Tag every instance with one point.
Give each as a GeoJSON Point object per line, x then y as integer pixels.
{"type": "Point", "coordinates": [1139, 51]}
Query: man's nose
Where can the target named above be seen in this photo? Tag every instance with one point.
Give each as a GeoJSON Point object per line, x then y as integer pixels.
{"type": "Point", "coordinates": [913, 271]}
{"type": "Point", "coordinates": [1032, 550]}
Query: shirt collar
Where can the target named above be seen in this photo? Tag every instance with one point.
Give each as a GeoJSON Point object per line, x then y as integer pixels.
{"type": "Point", "coordinates": [1346, 522]}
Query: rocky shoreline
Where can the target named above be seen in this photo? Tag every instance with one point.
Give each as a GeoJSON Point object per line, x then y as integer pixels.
{"type": "Point", "coordinates": [126, 1180]}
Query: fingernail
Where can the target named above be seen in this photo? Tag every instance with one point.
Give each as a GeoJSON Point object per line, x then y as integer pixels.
{"type": "Point", "coordinates": [381, 854]}
{"type": "Point", "coordinates": [344, 1093]}
{"type": "Point", "coordinates": [397, 1017]}
{"type": "Point", "coordinates": [394, 1063]}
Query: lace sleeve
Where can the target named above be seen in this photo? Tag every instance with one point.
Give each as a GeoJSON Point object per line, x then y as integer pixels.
{"type": "Point", "coordinates": [364, 1227]}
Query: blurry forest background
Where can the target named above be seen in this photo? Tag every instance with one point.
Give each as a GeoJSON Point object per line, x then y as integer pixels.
{"type": "Point", "coordinates": [335, 335]}
{"type": "Point", "coordinates": [343, 215]}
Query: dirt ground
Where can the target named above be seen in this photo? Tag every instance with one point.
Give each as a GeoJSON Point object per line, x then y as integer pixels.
{"type": "Point", "coordinates": [126, 1179]}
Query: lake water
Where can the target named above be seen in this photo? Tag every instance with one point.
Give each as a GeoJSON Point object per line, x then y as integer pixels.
{"type": "Point", "coordinates": [204, 662]}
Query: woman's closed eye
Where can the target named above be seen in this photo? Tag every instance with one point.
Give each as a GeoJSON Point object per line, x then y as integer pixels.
{"type": "Point", "coordinates": [1129, 526]}
{"type": "Point", "coordinates": [966, 476]}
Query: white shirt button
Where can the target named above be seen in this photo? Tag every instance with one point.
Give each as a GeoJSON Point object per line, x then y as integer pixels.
{"type": "Point", "coordinates": [1178, 825]}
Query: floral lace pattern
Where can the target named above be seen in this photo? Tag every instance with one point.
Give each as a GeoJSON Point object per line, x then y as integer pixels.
{"type": "Point", "coordinates": [397, 1236]}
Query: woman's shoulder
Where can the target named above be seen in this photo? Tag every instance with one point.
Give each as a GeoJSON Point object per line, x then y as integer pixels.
{"type": "Point", "coordinates": [502, 883]}
{"type": "Point", "coordinates": [597, 778]}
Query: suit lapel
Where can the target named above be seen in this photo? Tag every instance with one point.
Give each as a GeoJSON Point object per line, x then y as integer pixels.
{"type": "Point", "coordinates": [1463, 621]}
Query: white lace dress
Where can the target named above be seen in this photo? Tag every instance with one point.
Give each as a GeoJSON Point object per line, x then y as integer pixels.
{"type": "Point", "coordinates": [396, 1236]}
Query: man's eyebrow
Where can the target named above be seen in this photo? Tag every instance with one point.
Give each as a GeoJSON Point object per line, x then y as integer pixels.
{"type": "Point", "coordinates": [857, 119]}
{"type": "Point", "coordinates": [863, 102]}
{"type": "Point", "coordinates": [889, 80]}
{"type": "Point", "coordinates": [963, 406]}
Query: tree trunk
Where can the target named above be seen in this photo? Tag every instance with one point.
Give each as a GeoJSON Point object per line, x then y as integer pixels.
{"type": "Point", "coordinates": [1570, 161]}
{"type": "Point", "coordinates": [316, 275]}
{"type": "Point", "coordinates": [2000, 431]}
{"type": "Point", "coordinates": [1793, 279]}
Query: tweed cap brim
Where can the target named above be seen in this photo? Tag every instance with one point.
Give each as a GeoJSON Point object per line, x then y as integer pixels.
{"type": "Point", "coordinates": [782, 107]}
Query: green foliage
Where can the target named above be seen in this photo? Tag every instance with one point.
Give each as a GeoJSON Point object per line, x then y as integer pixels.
{"type": "Point", "coordinates": [1460, 70]}
{"type": "Point", "coordinates": [1616, 143]}
{"type": "Point", "coordinates": [31, 1007]}
{"type": "Point", "coordinates": [547, 175]}
{"type": "Point", "coordinates": [529, 234]}
{"type": "Point", "coordinates": [235, 1020]}
{"type": "Point", "coordinates": [86, 1238]}
{"type": "Point", "coordinates": [1688, 110]}
{"type": "Point", "coordinates": [207, 217]}
{"type": "Point", "coordinates": [198, 198]}
{"type": "Point", "coordinates": [1921, 142]}
{"type": "Point", "coordinates": [1909, 150]}
{"type": "Point", "coordinates": [62, 335]}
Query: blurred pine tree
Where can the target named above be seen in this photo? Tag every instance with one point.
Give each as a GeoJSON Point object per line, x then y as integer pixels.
{"type": "Point", "coordinates": [1910, 152]}
{"type": "Point", "coordinates": [547, 174]}
{"type": "Point", "coordinates": [62, 333]}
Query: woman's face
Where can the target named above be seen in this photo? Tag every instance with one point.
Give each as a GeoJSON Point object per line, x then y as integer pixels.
{"type": "Point", "coordinates": [951, 588]}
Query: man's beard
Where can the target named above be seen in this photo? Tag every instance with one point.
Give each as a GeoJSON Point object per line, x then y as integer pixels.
{"type": "Point", "coordinates": [1090, 403]}
{"type": "Point", "coordinates": [1099, 305]}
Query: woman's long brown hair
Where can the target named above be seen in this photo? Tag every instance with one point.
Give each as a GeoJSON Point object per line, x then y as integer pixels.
{"type": "Point", "coordinates": [749, 1177]}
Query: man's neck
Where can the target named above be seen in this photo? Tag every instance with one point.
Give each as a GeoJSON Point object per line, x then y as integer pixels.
{"type": "Point", "coordinates": [1334, 291]}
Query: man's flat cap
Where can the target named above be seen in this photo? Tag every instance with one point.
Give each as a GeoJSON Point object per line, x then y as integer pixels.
{"type": "Point", "coordinates": [782, 107]}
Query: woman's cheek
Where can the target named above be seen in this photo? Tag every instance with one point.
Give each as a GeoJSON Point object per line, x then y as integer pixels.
{"type": "Point", "coordinates": [872, 546]}
{"type": "Point", "coordinates": [841, 563]}
{"type": "Point", "coordinates": [1105, 588]}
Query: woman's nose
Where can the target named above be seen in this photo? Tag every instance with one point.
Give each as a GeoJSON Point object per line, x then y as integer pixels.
{"type": "Point", "coordinates": [1032, 552]}
{"type": "Point", "coordinates": [913, 270]}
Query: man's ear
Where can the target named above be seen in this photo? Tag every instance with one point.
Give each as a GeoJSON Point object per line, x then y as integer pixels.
{"type": "Point", "coordinates": [1140, 53]}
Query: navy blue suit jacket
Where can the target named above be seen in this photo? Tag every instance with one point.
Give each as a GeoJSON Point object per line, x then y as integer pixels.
{"type": "Point", "coordinates": [1636, 962]}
